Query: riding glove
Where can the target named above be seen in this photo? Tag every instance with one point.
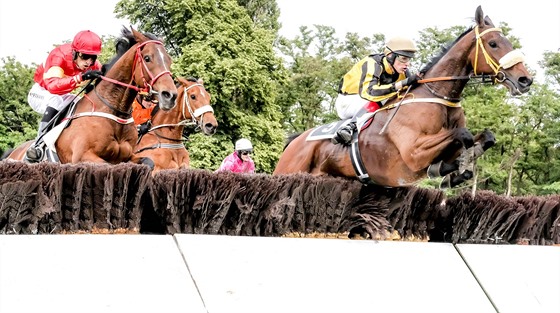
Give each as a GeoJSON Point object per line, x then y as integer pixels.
{"type": "Point", "coordinates": [91, 74]}
{"type": "Point", "coordinates": [412, 80]}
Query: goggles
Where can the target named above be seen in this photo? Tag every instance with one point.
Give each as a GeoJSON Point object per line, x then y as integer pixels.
{"type": "Point", "coordinates": [86, 57]}
{"type": "Point", "coordinates": [403, 59]}
{"type": "Point", "coordinates": [245, 152]}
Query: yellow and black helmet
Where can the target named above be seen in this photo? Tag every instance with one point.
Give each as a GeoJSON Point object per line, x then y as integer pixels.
{"type": "Point", "coordinates": [400, 45]}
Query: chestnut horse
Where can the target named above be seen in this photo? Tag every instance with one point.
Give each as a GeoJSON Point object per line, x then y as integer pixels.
{"type": "Point", "coordinates": [428, 136]}
{"type": "Point", "coordinates": [101, 128]}
{"type": "Point", "coordinates": [163, 141]}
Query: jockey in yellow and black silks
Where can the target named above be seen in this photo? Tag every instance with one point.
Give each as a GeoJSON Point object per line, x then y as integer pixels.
{"type": "Point", "coordinates": [372, 81]}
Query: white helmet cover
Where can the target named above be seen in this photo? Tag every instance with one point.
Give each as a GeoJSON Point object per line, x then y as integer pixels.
{"type": "Point", "coordinates": [243, 144]}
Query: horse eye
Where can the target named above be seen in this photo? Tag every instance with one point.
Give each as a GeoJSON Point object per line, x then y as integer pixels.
{"type": "Point", "coordinates": [193, 97]}
{"type": "Point", "coordinates": [147, 58]}
{"type": "Point", "coordinates": [493, 44]}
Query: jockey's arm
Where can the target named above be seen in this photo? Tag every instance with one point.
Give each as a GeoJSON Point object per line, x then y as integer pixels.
{"type": "Point", "coordinates": [370, 86]}
{"type": "Point", "coordinates": [57, 83]}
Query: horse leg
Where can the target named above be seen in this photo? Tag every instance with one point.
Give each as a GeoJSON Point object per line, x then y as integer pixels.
{"type": "Point", "coordinates": [143, 160]}
{"type": "Point", "coordinates": [462, 169]}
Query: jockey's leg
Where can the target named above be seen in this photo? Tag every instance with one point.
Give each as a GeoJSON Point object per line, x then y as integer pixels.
{"type": "Point", "coordinates": [35, 152]}
{"type": "Point", "coordinates": [344, 134]}
{"type": "Point", "coordinates": [348, 106]}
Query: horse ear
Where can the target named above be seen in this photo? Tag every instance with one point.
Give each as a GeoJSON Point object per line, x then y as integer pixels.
{"type": "Point", "coordinates": [201, 81]}
{"type": "Point", "coordinates": [181, 80]}
{"type": "Point", "coordinates": [138, 35]}
{"type": "Point", "coordinates": [479, 17]}
{"type": "Point", "coordinates": [488, 21]}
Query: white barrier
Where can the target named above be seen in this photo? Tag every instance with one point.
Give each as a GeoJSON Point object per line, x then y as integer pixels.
{"type": "Point", "coordinates": [215, 274]}
{"type": "Point", "coordinates": [94, 273]}
{"type": "Point", "coordinates": [517, 278]}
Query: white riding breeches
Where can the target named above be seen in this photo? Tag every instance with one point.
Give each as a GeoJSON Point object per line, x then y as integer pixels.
{"type": "Point", "coordinates": [39, 98]}
{"type": "Point", "coordinates": [348, 105]}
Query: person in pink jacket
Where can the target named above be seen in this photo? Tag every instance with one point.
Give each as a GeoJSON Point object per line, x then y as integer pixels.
{"type": "Point", "coordinates": [240, 160]}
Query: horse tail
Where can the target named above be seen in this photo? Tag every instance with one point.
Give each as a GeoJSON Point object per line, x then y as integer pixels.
{"type": "Point", "coordinates": [6, 154]}
{"type": "Point", "coordinates": [290, 139]}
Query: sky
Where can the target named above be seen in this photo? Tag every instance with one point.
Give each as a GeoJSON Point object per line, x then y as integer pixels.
{"type": "Point", "coordinates": [29, 34]}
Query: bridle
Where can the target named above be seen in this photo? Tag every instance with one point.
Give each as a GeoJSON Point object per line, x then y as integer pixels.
{"type": "Point", "coordinates": [507, 61]}
{"type": "Point", "coordinates": [138, 59]}
{"type": "Point", "coordinates": [147, 90]}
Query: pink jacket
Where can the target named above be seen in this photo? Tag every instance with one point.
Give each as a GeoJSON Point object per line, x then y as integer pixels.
{"type": "Point", "coordinates": [234, 164]}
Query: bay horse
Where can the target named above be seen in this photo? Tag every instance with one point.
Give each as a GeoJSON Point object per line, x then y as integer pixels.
{"type": "Point", "coordinates": [162, 143]}
{"type": "Point", "coordinates": [428, 137]}
{"type": "Point", "coordinates": [101, 129]}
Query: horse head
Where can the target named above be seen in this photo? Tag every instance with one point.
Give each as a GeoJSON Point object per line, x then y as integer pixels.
{"type": "Point", "coordinates": [494, 54]}
{"type": "Point", "coordinates": [142, 66]}
{"type": "Point", "coordinates": [481, 51]}
{"type": "Point", "coordinates": [195, 104]}
{"type": "Point", "coordinates": [151, 70]}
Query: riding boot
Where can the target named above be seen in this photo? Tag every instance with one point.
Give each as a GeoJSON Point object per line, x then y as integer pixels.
{"type": "Point", "coordinates": [35, 152]}
{"type": "Point", "coordinates": [344, 134]}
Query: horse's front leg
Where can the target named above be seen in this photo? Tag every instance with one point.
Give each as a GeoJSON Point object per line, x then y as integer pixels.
{"type": "Point", "coordinates": [463, 168]}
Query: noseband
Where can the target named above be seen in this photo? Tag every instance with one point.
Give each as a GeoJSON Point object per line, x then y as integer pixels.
{"type": "Point", "coordinates": [198, 112]}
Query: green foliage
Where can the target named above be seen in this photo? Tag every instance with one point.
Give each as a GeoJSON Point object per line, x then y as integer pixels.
{"type": "Point", "coordinates": [19, 121]}
{"type": "Point", "coordinates": [551, 64]}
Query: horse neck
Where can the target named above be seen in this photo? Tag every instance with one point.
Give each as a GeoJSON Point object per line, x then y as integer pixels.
{"type": "Point", "coordinates": [454, 63]}
{"type": "Point", "coordinates": [119, 96]}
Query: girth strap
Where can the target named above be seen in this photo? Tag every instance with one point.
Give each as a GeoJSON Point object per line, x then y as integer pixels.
{"type": "Point", "coordinates": [357, 162]}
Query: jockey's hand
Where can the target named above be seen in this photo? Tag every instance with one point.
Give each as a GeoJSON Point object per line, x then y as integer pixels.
{"type": "Point", "coordinates": [412, 80]}
{"type": "Point", "coordinates": [91, 74]}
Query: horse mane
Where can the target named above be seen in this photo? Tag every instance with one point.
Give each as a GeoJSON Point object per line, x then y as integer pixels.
{"type": "Point", "coordinates": [443, 51]}
{"type": "Point", "coordinates": [123, 44]}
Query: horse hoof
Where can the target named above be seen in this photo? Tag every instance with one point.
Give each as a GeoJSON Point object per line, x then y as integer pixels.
{"type": "Point", "coordinates": [149, 162]}
{"type": "Point", "coordinates": [489, 140]}
{"type": "Point", "coordinates": [467, 175]}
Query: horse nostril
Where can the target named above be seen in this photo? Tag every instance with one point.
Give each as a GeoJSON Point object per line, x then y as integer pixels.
{"type": "Point", "coordinates": [209, 127]}
{"type": "Point", "coordinates": [525, 81]}
{"type": "Point", "coordinates": [171, 96]}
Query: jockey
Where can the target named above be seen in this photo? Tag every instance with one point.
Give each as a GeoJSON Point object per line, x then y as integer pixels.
{"type": "Point", "coordinates": [372, 81]}
{"type": "Point", "coordinates": [66, 67]}
{"type": "Point", "coordinates": [240, 160]}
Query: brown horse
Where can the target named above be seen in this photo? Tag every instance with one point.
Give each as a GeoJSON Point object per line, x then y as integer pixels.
{"type": "Point", "coordinates": [163, 141]}
{"type": "Point", "coordinates": [101, 128]}
{"type": "Point", "coordinates": [428, 136]}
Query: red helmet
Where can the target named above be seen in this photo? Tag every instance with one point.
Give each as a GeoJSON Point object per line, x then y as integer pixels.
{"type": "Point", "coordinates": [87, 42]}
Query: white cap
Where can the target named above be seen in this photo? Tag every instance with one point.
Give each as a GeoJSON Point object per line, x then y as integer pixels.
{"type": "Point", "coordinates": [243, 144]}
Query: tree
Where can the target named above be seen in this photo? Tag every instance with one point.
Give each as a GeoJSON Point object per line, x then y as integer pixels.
{"type": "Point", "coordinates": [19, 121]}
{"type": "Point", "coordinates": [551, 64]}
